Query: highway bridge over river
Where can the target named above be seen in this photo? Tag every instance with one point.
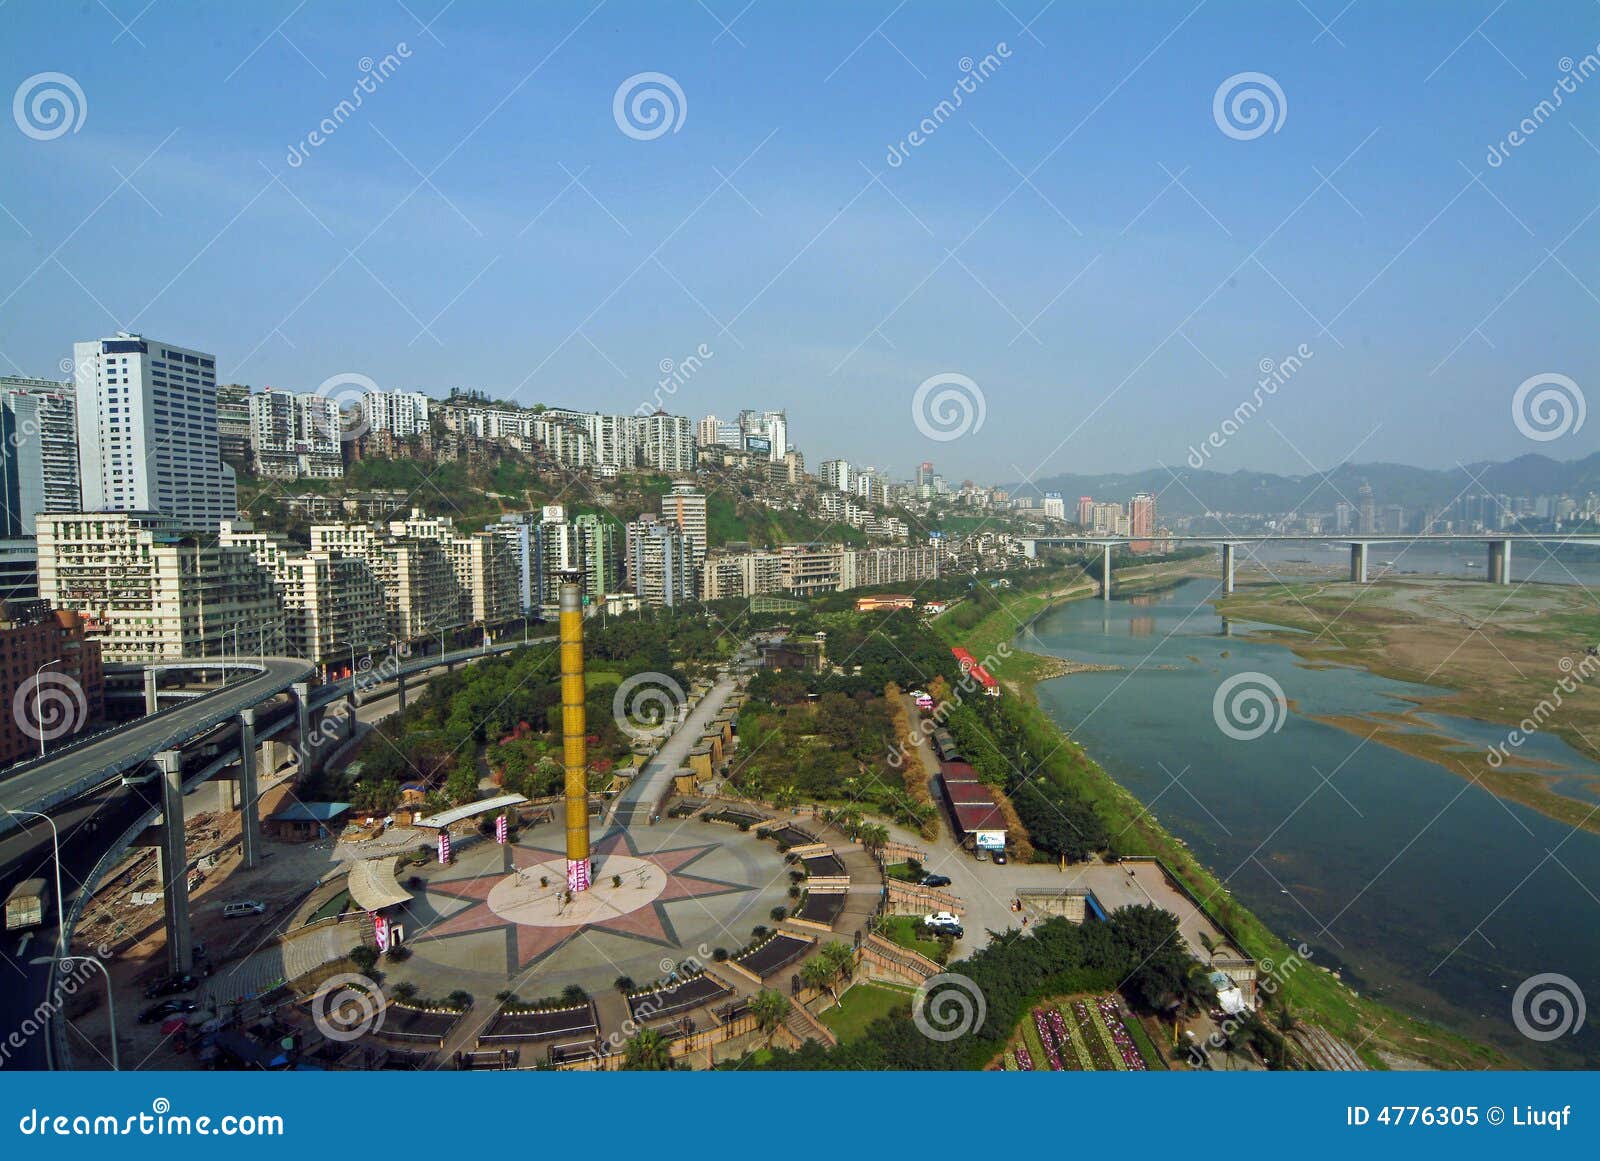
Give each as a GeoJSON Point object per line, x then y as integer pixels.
{"type": "Point", "coordinates": [1497, 544]}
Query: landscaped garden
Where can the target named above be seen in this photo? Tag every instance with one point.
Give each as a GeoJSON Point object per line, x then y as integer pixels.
{"type": "Point", "coordinates": [1081, 1035]}
{"type": "Point", "coordinates": [861, 1005]}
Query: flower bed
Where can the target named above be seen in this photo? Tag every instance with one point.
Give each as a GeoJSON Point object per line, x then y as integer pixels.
{"type": "Point", "coordinates": [1072, 1059]}
{"type": "Point", "coordinates": [1132, 1058]}
{"type": "Point", "coordinates": [1101, 1049]}
{"type": "Point", "coordinates": [1024, 1061]}
{"type": "Point", "coordinates": [1048, 1039]}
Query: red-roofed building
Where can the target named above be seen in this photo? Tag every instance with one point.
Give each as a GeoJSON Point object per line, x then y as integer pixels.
{"type": "Point", "coordinates": [969, 665]}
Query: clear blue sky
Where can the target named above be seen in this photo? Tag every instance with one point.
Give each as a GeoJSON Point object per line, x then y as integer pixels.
{"type": "Point", "coordinates": [1154, 260]}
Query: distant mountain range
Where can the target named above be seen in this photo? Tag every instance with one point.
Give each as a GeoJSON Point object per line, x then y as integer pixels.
{"type": "Point", "coordinates": [1185, 491]}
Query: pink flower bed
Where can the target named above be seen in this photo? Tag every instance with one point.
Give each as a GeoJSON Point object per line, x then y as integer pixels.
{"type": "Point", "coordinates": [1024, 1060]}
{"type": "Point", "coordinates": [1132, 1058]}
{"type": "Point", "coordinates": [1047, 1037]}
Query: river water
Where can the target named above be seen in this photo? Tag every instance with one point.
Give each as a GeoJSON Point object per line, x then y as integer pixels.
{"type": "Point", "coordinates": [1419, 887]}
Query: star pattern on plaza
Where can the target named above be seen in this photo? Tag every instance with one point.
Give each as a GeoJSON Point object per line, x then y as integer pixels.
{"type": "Point", "coordinates": [527, 944]}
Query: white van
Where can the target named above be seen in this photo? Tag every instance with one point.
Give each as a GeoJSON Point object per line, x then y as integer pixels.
{"type": "Point", "coordinates": [242, 909]}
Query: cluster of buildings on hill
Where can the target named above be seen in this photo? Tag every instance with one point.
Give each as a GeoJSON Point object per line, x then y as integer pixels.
{"type": "Point", "coordinates": [120, 510]}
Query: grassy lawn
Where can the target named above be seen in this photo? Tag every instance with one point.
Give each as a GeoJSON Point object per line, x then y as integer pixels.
{"type": "Point", "coordinates": [902, 872]}
{"type": "Point", "coordinates": [861, 1005]}
{"type": "Point", "coordinates": [906, 931]}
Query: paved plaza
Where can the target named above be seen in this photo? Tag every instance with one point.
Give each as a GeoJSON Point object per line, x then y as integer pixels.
{"type": "Point", "coordinates": [498, 919]}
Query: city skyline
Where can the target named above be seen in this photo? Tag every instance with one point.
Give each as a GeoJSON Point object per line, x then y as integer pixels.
{"type": "Point", "coordinates": [1369, 228]}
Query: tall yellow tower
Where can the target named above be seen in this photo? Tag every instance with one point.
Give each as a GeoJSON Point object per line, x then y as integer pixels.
{"type": "Point", "coordinates": [574, 736]}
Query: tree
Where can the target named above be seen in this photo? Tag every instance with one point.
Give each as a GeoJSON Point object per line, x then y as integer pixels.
{"type": "Point", "coordinates": [815, 973]}
{"type": "Point", "coordinates": [770, 1008]}
{"type": "Point", "coordinates": [873, 836]}
{"type": "Point", "coordinates": [647, 1051]}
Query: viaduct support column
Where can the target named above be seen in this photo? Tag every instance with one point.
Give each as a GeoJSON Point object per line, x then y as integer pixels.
{"type": "Point", "coordinates": [249, 790]}
{"type": "Point", "coordinates": [1105, 573]}
{"type": "Point", "coordinates": [151, 702]}
{"type": "Point", "coordinates": [302, 722]}
{"type": "Point", "coordinates": [400, 690]}
{"type": "Point", "coordinates": [1227, 567]}
{"type": "Point", "coordinates": [174, 863]}
{"type": "Point", "coordinates": [1499, 570]}
{"type": "Point", "coordinates": [1358, 563]}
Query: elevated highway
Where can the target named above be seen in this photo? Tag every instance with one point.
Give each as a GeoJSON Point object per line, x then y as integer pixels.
{"type": "Point", "coordinates": [99, 818]}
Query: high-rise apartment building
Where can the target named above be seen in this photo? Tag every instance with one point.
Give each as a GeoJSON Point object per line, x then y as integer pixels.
{"type": "Point", "coordinates": [147, 591]}
{"type": "Point", "coordinates": [1142, 515]}
{"type": "Point", "coordinates": [685, 506]}
{"type": "Point", "coordinates": [147, 432]}
{"type": "Point", "coordinates": [835, 474]}
{"type": "Point", "coordinates": [32, 638]}
{"type": "Point", "coordinates": [659, 564]}
{"type": "Point", "coordinates": [420, 594]}
{"type": "Point", "coordinates": [400, 413]}
{"type": "Point", "coordinates": [295, 436]}
{"type": "Point", "coordinates": [333, 608]}
{"type": "Point", "coordinates": [233, 422]}
{"type": "Point", "coordinates": [56, 433]}
{"type": "Point", "coordinates": [666, 443]}
{"type": "Point", "coordinates": [599, 555]}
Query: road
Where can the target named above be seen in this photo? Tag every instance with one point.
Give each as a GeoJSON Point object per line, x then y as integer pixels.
{"type": "Point", "coordinates": [93, 810]}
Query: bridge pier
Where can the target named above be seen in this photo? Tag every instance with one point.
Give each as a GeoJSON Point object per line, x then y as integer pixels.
{"type": "Point", "coordinates": [1227, 566]}
{"type": "Point", "coordinates": [151, 701]}
{"type": "Point", "coordinates": [1499, 570]}
{"type": "Point", "coordinates": [173, 864]}
{"type": "Point", "coordinates": [1358, 563]}
{"type": "Point", "coordinates": [1105, 572]}
{"type": "Point", "coordinates": [249, 790]}
{"type": "Point", "coordinates": [400, 690]}
{"type": "Point", "coordinates": [302, 722]}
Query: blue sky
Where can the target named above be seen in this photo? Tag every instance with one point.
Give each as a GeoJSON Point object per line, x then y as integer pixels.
{"type": "Point", "coordinates": [1112, 308]}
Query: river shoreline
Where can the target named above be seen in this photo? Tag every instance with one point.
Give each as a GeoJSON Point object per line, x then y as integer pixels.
{"type": "Point", "coordinates": [1389, 1037]}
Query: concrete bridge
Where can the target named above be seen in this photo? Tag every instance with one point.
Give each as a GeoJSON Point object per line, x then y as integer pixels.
{"type": "Point", "coordinates": [1498, 545]}
{"type": "Point", "coordinates": [133, 778]}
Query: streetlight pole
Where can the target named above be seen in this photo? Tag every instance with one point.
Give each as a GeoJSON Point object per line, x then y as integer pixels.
{"type": "Point", "coordinates": [55, 840]}
{"type": "Point", "coordinates": [38, 700]}
{"type": "Point", "coordinates": [111, 1000]}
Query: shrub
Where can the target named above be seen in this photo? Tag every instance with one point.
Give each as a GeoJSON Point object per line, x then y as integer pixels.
{"type": "Point", "coordinates": [778, 913]}
{"type": "Point", "coordinates": [364, 958]}
{"type": "Point", "coordinates": [459, 1000]}
{"type": "Point", "coordinates": [574, 994]}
